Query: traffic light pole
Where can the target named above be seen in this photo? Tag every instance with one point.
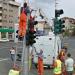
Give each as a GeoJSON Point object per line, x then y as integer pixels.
{"type": "Point", "coordinates": [15, 54]}
{"type": "Point", "coordinates": [25, 58]}
{"type": "Point", "coordinates": [25, 54]}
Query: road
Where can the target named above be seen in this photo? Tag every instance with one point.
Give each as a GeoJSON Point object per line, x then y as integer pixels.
{"type": "Point", "coordinates": [5, 61]}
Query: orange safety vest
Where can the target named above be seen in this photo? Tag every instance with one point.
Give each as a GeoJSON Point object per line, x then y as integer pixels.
{"type": "Point", "coordinates": [22, 24]}
{"type": "Point", "coordinates": [40, 66]}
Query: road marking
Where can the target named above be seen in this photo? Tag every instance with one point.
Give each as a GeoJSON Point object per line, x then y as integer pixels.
{"type": "Point", "coordinates": [4, 59]}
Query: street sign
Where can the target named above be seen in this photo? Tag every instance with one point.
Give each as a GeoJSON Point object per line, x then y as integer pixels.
{"type": "Point", "coordinates": [6, 30]}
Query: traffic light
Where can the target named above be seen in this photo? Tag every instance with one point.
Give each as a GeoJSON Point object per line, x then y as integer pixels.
{"type": "Point", "coordinates": [58, 12]}
{"type": "Point", "coordinates": [30, 38]}
{"type": "Point", "coordinates": [58, 23]}
{"type": "Point", "coordinates": [58, 26]}
{"type": "Point", "coordinates": [62, 26]}
{"type": "Point", "coordinates": [31, 33]}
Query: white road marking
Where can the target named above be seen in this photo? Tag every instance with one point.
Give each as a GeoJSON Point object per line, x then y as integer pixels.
{"type": "Point", "coordinates": [4, 59]}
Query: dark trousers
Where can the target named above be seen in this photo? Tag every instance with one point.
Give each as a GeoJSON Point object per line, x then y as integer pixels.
{"type": "Point", "coordinates": [69, 72]}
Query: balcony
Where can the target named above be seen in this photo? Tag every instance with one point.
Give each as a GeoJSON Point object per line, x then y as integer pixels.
{"type": "Point", "coordinates": [0, 23]}
{"type": "Point", "coordinates": [0, 11]}
{"type": "Point", "coordinates": [0, 17]}
{"type": "Point", "coordinates": [14, 3]}
{"type": "Point", "coordinates": [0, 5]}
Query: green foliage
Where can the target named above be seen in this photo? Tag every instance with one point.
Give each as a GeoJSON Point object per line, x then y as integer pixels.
{"type": "Point", "coordinates": [66, 33]}
{"type": "Point", "coordinates": [73, 32]}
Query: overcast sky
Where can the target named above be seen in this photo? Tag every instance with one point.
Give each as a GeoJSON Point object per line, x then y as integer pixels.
{"type": "Point", "coordinates": [48, 7]}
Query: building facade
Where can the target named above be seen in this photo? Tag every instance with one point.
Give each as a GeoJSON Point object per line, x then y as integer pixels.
{"type": "Point", "coordinates": [69, 25]}
{"type": "Point", "coordinates": [8, 17]}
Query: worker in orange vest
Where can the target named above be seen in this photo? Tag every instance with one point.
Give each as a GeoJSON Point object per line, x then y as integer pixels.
{"type": "Point", "coordinates": [23, 20]}
{"type": "Point", "coordinates": [22, 24]}
{"type": "Point", "coordinates": [40, 62]}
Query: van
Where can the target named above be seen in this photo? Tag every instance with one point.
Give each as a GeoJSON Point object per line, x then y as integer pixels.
{"type": "Point", "coordinates": [51, 46]}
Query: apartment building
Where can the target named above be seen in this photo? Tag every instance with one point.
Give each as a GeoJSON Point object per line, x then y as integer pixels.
{"type": "Point", "coordinates": [8, 17]}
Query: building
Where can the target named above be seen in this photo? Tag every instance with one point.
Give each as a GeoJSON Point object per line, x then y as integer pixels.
{"type": "Point", "coordinates": [69, 25]}
{"type": "Point", "coordinates": [8, 17]}
{"type": "Point", "coordinates": [43, 26]}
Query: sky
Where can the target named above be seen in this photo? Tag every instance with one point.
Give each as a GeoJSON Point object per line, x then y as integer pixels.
{"type": "Point", "coordinates": [48, 7]}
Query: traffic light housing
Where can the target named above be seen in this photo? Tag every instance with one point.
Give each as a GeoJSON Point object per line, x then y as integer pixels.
{"type": "Point", "coordinates": [62, 26]}
{"type": "Point", "coordinates": [58, 23]}
{"type": "Point", "coordinates": [58, 12]}
{"type": "Point", "coordinates": [31, 33]}
{"type": "Point", "coordinates": [58, 26]}
{"type": "Point", "coordinates": [30, 38]}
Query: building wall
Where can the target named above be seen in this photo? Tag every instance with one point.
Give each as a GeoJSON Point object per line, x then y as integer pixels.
{"type": "Point", "coordinates": [8, 13]}
{"type": "Point", "coordinates": [42, 26]}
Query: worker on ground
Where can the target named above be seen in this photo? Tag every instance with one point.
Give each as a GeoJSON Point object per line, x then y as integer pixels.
{"type": "Point", "coordinates": [62, 55]}
{"type": "Point", "coordinates": [69, 64]}
{"type": "Point", "coordinates": [57, 67]}
{"type": "Point", "coordinates": [15, 70]}
{"type": "Point", "coordinates": [13, 53]}
{"type": "Point", "coordinates": [40, 62]}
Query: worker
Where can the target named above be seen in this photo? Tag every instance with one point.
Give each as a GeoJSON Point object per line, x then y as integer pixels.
{"type": "Point", "coordinates": [22, 24]}
{"type": "Point", "coordinates": [57, 67]}
{"type": "Point", "coordinates": [40, 62]}
{"type": "Point", "coordinates": [15, 70]}
{"type": "Point", "coordinates": [62, 55]}
{"type": "Point", "coordinates": [69, 64]}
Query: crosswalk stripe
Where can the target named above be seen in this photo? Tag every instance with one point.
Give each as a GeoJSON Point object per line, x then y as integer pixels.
{"type": "Point", "coordinates": [4, 59]}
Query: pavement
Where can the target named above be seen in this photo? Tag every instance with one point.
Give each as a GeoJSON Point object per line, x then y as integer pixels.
{"type": "Point", "coordinates": [6, 63]}
{"type": "Point", "coordinates": [4, 66]}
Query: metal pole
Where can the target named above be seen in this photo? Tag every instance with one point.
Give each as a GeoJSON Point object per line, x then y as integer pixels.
{"type": "Point", "coordinates": [15, 54]}
{"type": "Point", "coordinates": [25, 54]}
{"type": "Point", "coordinates": [25, 58]}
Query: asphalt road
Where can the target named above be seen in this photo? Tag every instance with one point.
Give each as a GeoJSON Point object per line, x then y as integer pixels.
{"type": "Point", "coordinates": [6, 64]}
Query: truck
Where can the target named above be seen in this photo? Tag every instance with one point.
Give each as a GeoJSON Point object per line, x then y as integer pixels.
{"type": "Point", "coordinates": [51, 46]}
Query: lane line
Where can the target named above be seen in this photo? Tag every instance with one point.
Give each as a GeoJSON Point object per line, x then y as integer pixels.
{"type": "Point", "coordinates": [4, 59]}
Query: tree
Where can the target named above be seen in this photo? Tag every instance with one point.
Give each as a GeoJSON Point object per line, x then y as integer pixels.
{"type": "Point", "coordinates": [73, 32]}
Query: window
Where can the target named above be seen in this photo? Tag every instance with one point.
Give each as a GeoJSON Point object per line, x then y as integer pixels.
{"type": "Point", "coordinates": [5, 9]}
{"type": "Point", "coordinates": [0, 26]}
{"type": "Point", "coordinates": [10, 27]}
{"type": "Point", "coordinates": [0, 14]}
{"type": "Point", "coordinates": [13, 0]}
{"type": "Point", "coordinates": [10, 10]}
{"type": "Point", "coordinates": [0, 20]}
{"type": "Point", "coordinates": [5, 3]}
{"type": "Point", "coordinates": [10, 21]}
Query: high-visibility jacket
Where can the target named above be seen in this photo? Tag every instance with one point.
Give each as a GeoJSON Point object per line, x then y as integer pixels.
{"type": "Point", "coordinates": [57, 69]}
{"type": "Point", "coordinates": [22, 24]}
{"type": "Point", "coordinates": [40, 66]}
{"type": "Point", "coordinates": [13, 72]}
